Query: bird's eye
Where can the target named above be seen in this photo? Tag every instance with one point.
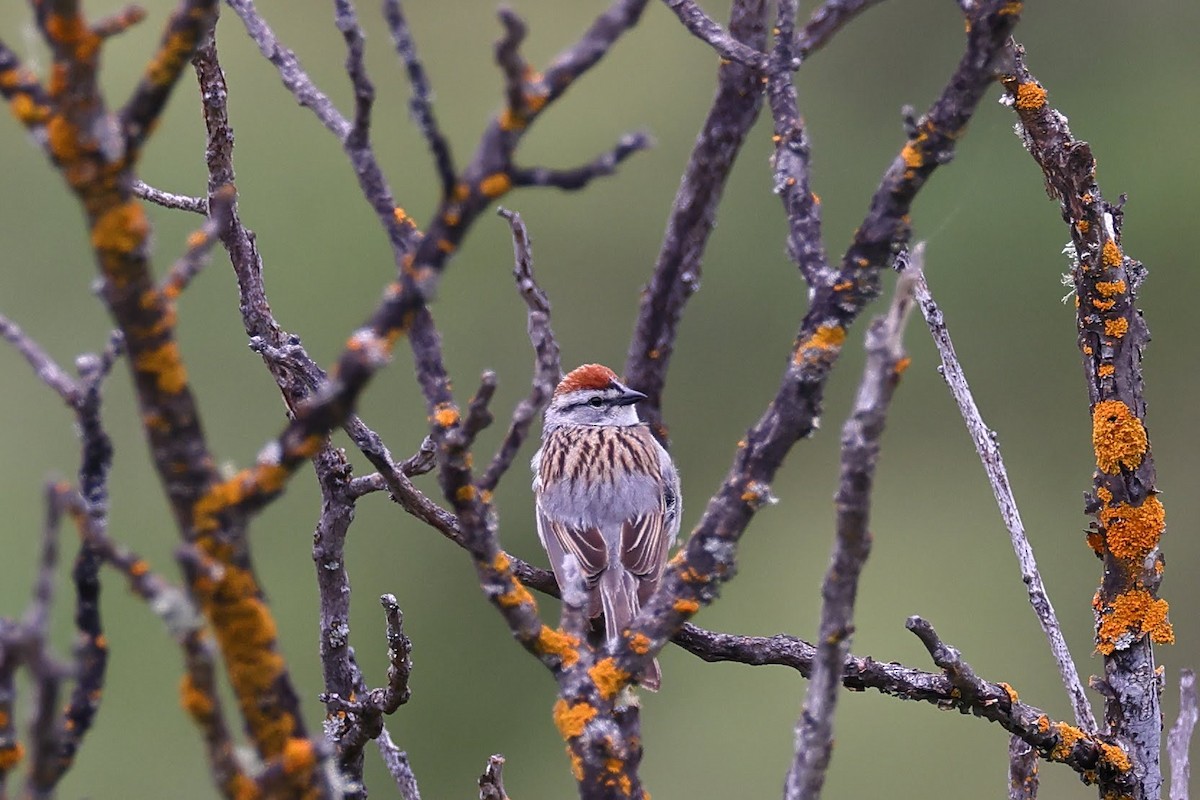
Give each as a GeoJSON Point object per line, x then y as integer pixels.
{"type": "Point", "coordinates": [595, 402]}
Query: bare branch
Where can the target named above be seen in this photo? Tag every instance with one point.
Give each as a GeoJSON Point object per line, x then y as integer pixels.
{"type": "Point", "coordinates": [827, 20]}
{"type": "Point", "coordinates": [1180, 738]}
{"type": "Point", "coordinates": [707, 29]}
{"type": "Point", "coordinates": [398, 767]}
{"type": "Point", "coordinates": [860, 453]}
{"type": "Point", "coordinates": [421, 104]}
{"type": "Point", "coordinates": [178, 202]}
{"type": "Point", "coordinates": [676, 275]}
{"type": "Point", "coordinates": [988, 448]}
{"type": "Point", "coordinates": [491, 782]}
{"type": "Point", "coordinates": [118, 23]}
{"type": "Point", "coordinates": [547, 366]}
{"type": "Point", "coordinates": [789, 162]}
{"type": "Point", "coordinates": [46, 369]}
{"type": "Point", "coordinates": [578, 178]}
{"type": "Point", "coordinates": [1022, 770]}
{"type": "Point", "coordinates": [201, 242]}
{"type": "Point", "coordinates": [1083, 751]}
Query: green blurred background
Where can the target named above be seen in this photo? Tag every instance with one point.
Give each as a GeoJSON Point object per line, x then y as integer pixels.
{"type": "Point", "coordinates": [1125, 75]}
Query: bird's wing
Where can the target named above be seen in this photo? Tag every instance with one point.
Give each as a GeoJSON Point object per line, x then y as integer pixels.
{"type": "Point", "coordinates": [585, 543]}
{"type": "Point", "coordinates": [644, 543]}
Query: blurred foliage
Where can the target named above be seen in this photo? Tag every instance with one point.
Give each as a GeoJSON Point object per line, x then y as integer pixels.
{"type": "Point", "coordinates": [1125, 75]}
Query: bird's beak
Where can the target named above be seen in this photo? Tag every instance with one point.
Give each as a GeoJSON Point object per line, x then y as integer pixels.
{"type": "Point", "coordinates": [628, 397]}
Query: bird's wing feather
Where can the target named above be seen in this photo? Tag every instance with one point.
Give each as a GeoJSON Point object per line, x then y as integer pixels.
{"type": "Point", "coordinates": [585, 543]}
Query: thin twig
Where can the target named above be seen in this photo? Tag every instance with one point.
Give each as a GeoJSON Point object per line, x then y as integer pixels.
{"type": "Point", "coordinates": [491, 782]}
{"type": "Point", "coordinates": [826, 21]}
{"type": "Point", "coordinates": [421, 104]}
{"type": "Point", "coordinates": [707, 29]}
{"type": "Point", "coordinates": [396, 761]}
{"type": "Point", "coordinates": [178, 202]}
{"type": "Point", "coordinates": [1179, 740]}
{"type": "Point", "coordinates": [579, 177]}
{"type": "Point", "coordinates": [46, 369]}
{"type": "Point", "coordinates": [988, 448]}
{"type": "Point", "coordinates": [1022, 770]}
{"type": "Point", "coordinates": [790, 161]}
{"type": "Point", "coordinates": [547, 364]}
{"type": "Point", "coordinates": [201, 242]}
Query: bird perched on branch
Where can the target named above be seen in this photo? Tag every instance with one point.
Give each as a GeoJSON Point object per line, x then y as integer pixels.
{"type": "Point", "coordinates": [607, 494]}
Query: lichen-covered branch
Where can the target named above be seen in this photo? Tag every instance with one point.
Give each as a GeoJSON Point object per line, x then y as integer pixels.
{"type": "Point", "coordinates": [1129, 519]}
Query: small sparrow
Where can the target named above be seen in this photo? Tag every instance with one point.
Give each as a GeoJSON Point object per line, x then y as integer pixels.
{"type": "Point", "coordinates": [607, 494]}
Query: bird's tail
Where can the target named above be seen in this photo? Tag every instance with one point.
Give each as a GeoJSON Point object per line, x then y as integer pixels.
{"type": "Point", "coordinates": [619, 596]}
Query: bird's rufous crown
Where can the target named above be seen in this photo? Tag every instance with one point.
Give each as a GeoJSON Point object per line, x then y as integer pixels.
{"type": "Point", "coordinates": [589, 376]}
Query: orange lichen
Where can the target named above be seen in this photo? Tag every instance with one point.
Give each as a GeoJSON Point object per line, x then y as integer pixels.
{"type": "Point", "coordinates": [501, 562]}
{"type": "Point", "coordinates": [509, 121]}
{"type": "Point", "coordinates": [1104, 494]}
{"type": "Point", "coordinates": [1103, 305]}
{"type": "Point", "coordinates": [518, 595]}
{"type": "Point", "coordinates": [198, 704]}
{"type": "Point", "coordinates": [902, 365]}
{"type": "Point", "coordinates": [11, 755]}
{"type": "Point", "coordinates": [576, 764]}
{"type": "Point", "coordinates": [495, 184]}
{"type": "Point", "coordinates": [1118, 437]}
{"type": "Point", "coordinates": [446, 246]}
{"type": "Point", "coordinates": [446, 415]}
{"type": "Point", "coordinates": [465, 494]}
{"type": "Point", "coordinates": [1083, 226]}
{"type": "Point", "coordinates": [639, 643]}
{"type": "Point", "coordinates": [1030, 96]}
{"type": "Point", "coordinates": [1106, 370]}
{"type": "Point", "coordinates": [608, 677]}
{"type": "Point", "coordinates": [1068, 737]}
{"type": "Point", "coordinates": [912, 157]}
{"type": "Point", "coordinates": [309, 446]}
{"type": "Point", "coordinates": [1011, 692]}
{"type": "Point", "coordinates": [686, 606]}
{"type": "Point", "coordinates": [121, 229]}
{"type": "Point", "coordinates": [1116, 328]}
{"type": "Point", "coordinates": [572, 719]}
{"type": "Point", "coordinates": [1011, 8]}
{"type": "Point", "coordinates": [1133, 531]}
{"type": "Point", "coordinates": [556, 642]}
{"type": "Point", "coordinates": [1134, 612]}
{"type": "Point", "coordinates": [1095, 540]}
{"type": "Point", "coordinates": [1110, 254]}
{"type": "Point", "coordinates": [298, 756]}
{"type": "Point", "coordinates": [827, 339]}
{"type": "Point", "coordinates": [246, 633]}
{"type": "Point", "coordinates": [165, 364]}
{"type": "Point", "coordinates": [174, 52]}
{"type": "Point", "coordinates": [1115, 757]}
{"type": "Point", "coordinates": [1043, 723]}
{"type": "Point", "coordinates": [1110, 288]}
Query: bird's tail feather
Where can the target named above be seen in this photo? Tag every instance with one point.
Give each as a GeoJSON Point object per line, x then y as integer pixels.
{"type": "Point", "coordinates": [619, 596]}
